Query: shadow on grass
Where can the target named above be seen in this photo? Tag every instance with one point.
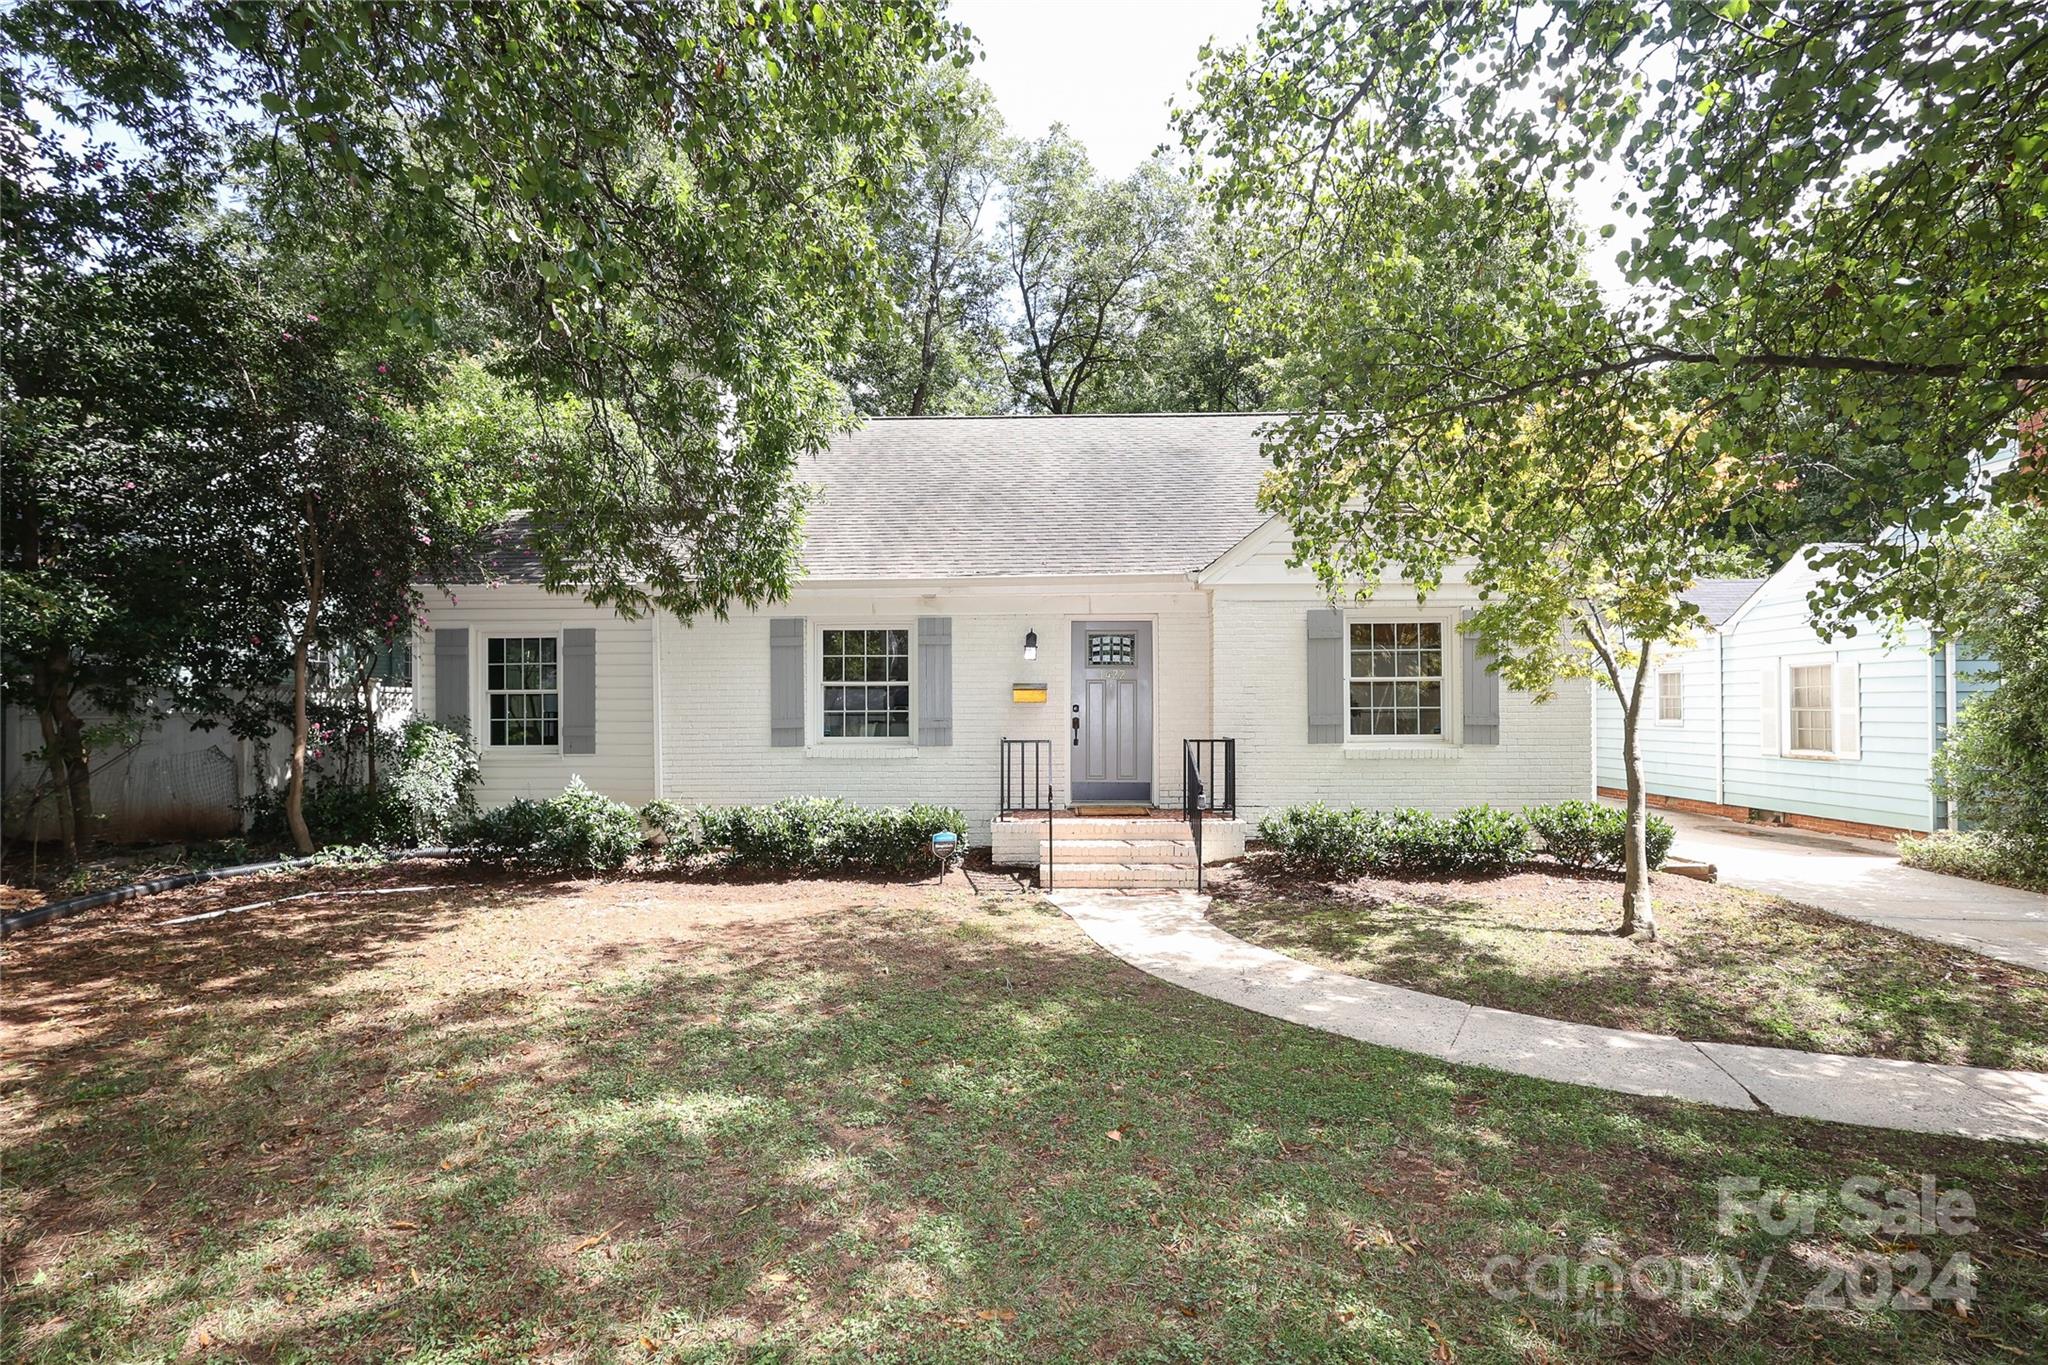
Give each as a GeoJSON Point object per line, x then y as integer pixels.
{"type": "Point", "coordinates": [1729, 966]}
{"type": "Point", "coordinates": [950, 1131]}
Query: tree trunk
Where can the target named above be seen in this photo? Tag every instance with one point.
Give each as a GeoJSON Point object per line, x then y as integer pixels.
{"type": "Point", "coordinates": [65, 736]}
{"type": "Point", "coordinates": [370, 732]}
{"type": "Point", "coordinates": [60, 782]}
{"type": "Point", "coordinates": [1638, 912]}
{"type": "Point", "coordinates": [295, 789]}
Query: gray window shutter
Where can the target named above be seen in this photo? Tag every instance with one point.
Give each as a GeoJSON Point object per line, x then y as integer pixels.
{"type": "Point", "coordinates": [934, 680]}
{"type": "Point", "coordinates": [1325, 675]}
{"type": "Point", "coordinates": [786, 682]}
{"type": "Point", "coordinates": [1482, 689]}
{"type": "Point", "coordinates": [579, 691]}
{"type": "Point", "coordinates": [451, 678]}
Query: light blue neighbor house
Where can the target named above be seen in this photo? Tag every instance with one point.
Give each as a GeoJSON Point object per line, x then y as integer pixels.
{"type": "Point", "coordinates": [1763, 718]}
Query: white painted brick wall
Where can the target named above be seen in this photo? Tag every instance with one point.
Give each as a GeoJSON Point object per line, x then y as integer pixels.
{"type": "Point", "coordinates": [1261, 663]}
{"type": "Point", "coordinates": [714, 681]}
{"type": "Point", "coordinates": [712, 678]}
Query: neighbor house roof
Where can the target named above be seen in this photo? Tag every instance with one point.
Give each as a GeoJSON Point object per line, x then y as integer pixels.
{"type": "Point", "coordinates": [1721, 598]}
{"type": "Point", "coordinates": [964, 497]}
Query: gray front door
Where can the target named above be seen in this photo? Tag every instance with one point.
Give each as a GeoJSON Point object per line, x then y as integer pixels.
{"type": "Point", "coordinates": [1111, 727]}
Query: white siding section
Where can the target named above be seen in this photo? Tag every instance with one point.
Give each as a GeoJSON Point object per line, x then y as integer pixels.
{"type": "Point", "coordinates": [1888, 783]}
{"type": "Point", "coordinates": [623, 766]}
{"type": "Point", "coordinates": [714, 685]}
{"type": "Point", "coordinates": [1678, 760]}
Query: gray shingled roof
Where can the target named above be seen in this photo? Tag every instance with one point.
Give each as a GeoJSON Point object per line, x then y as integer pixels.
{"type": "Point", "coordinates": [969, 497]}
{"type": "Point", "coordinates": [959, 497]}
{"type": "Point", "coordinates": [1721, 598]}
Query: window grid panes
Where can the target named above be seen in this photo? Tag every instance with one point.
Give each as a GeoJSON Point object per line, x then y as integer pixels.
{"type": "Point", "coordinates": [1397, 678]}
{"type": "Point", "coordinates": [1671, 696]}
{"type": "Point", "coordinates": [866, 677]}
{"type": "Point", "coordinates": [522, 682]}
{"type": "Point", "coordinates": [1813, 708]}
{"type": "Point", "coordinates": [1111, 650]}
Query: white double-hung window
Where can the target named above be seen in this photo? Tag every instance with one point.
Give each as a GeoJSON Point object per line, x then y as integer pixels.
{"type": "Point", "coordinates": [1811, 708]}
{"type": "Point", "coordinates": [864, 682]}
{"type": "Point", "coordinates": [1395, 679]}
{"type": "Point", "coordinates": [522, 681]}
{"type": "Point", "coordinates": [1670, 697]}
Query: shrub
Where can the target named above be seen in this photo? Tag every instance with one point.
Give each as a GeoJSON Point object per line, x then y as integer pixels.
{"type": "Point", "coordinates": [806, 834]}
{"type": "Point", "coordinates": [892, 839]}
{"type": "Point", "coordinates": [675, 828]}
{"type": "Point", "coordinates": [431, 782]}
{"type": "Point", "coordinates": [1321, 841]}
{"type": "Point", "coordinates": [1980, 854]}
{"type": "Point", "coordinates": [577, 831]}
{"type": "Point", "coordinates": [1588, 834]}
{"type": "Point", "coordinates": [426, 784]}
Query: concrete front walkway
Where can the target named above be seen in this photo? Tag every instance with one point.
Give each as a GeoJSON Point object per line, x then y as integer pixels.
{"type": "Point", "coordinates": [1166, 934]}
{"type": "Point", "coordinates": [1862, 879]}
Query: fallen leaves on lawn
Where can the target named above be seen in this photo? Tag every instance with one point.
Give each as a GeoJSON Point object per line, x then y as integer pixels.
{"type": "Point", "coordinates": [588, 1242]}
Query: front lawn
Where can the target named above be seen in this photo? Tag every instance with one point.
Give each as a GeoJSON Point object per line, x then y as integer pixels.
{"type": "Point", "coordinates": [1729, 965]}
{"type": "Point", "coordinates": [651, 1120]}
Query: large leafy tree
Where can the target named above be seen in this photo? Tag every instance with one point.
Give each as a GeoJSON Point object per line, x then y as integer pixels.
{"type": "Point", "coordinates": [1837, 222]}
{"type": "Point", "coordinates": [118, 450]}
{"type": "Point", "coordinates": [1579, 522]}
{"type": "Point", "coordinates": [660, 211]}
{"type": "Point", "coordinates": [939, 349]}
{"type": "Point", "coordinates": [1085, 256]}
{"type": "Point", "coordinates": [1994, 582]}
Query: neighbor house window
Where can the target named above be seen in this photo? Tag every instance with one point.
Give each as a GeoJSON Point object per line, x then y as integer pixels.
{"type": "Point", "coordinates": [1812, 710]}
{"type": "Point", "coordinates": [520, 678]}
{"type": "Point", "coordinates": [1397, 678]}
{"type": "Point", "coordinates": [866, 679]}
{"type": "Point", "coordinates": [1670, 697]}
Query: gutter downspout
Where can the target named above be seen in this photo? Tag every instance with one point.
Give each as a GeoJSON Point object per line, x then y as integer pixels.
{"type": "Point", "coordinates": [1949, 721]}
{"type": "Point", "coordinates": [1720, 721]}
{"type": "Point", "coordinates": [660, 736]}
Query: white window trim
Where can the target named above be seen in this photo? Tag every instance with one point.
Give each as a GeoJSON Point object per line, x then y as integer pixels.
{"type": "Point", "coordinates": [814, 692]}
{"type": "Point", "coordinates": [1785, 749]}
{"type": "Point", "coordinates": [482, 670]}
{"type": "Point", "coordinates": [1453, 695]}
{"type": "Point", "coordinates": [1657, 714]}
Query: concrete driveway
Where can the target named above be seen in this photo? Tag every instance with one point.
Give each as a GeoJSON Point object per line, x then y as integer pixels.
{"type": "Point", "coordinates": [1862, 879]}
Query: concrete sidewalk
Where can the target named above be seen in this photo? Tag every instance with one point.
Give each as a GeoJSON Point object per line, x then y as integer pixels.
{"type": "Point", "coordinates": [1862, 879]}
{"type": "Point", "coordinates": [1167, 935]}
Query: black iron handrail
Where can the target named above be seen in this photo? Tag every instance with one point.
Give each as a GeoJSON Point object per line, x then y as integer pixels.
{"type": "Point", "coordinates": [1026, 775]}
{"type": "Point", "coordinates": [1208, 786]}
{"type": "Point", "coordinates": [1215, 760]}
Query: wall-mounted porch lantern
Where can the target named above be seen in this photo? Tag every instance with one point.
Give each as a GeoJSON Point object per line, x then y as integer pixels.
{"type": "Point", "coordinates": [1030, 645]}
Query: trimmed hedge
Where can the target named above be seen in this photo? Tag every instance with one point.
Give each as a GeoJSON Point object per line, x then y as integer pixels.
{"type": "Point", "coordinates": [1320, 840]}
{"type": "Point", "coordinates": [577, 831]}
{"type": "Point", "coordinates": [805, 834]}
{"type": "Point", "coordinates": [1588, 834]}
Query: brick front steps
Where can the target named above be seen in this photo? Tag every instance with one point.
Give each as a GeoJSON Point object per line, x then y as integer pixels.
{"type": "Point", "coordinates": [1154, 851]}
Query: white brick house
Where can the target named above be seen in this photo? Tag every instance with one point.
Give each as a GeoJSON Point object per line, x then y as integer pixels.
{"type": "Point", "coordinates": [1106, 586]}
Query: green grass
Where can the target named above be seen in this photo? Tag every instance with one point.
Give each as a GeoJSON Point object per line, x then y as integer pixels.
{"type": "Point", "coordinates": [1729, 966]}
{"type": "Point", "coordinates": [652, 1121]}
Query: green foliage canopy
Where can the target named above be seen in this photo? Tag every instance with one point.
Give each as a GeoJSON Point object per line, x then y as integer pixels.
{"type": "Point", "coordinates": [1838, 220]}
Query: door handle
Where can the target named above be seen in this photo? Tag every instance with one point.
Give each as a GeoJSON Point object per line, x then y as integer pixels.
{"type": "Point", "coordinates": [1077, 725]}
